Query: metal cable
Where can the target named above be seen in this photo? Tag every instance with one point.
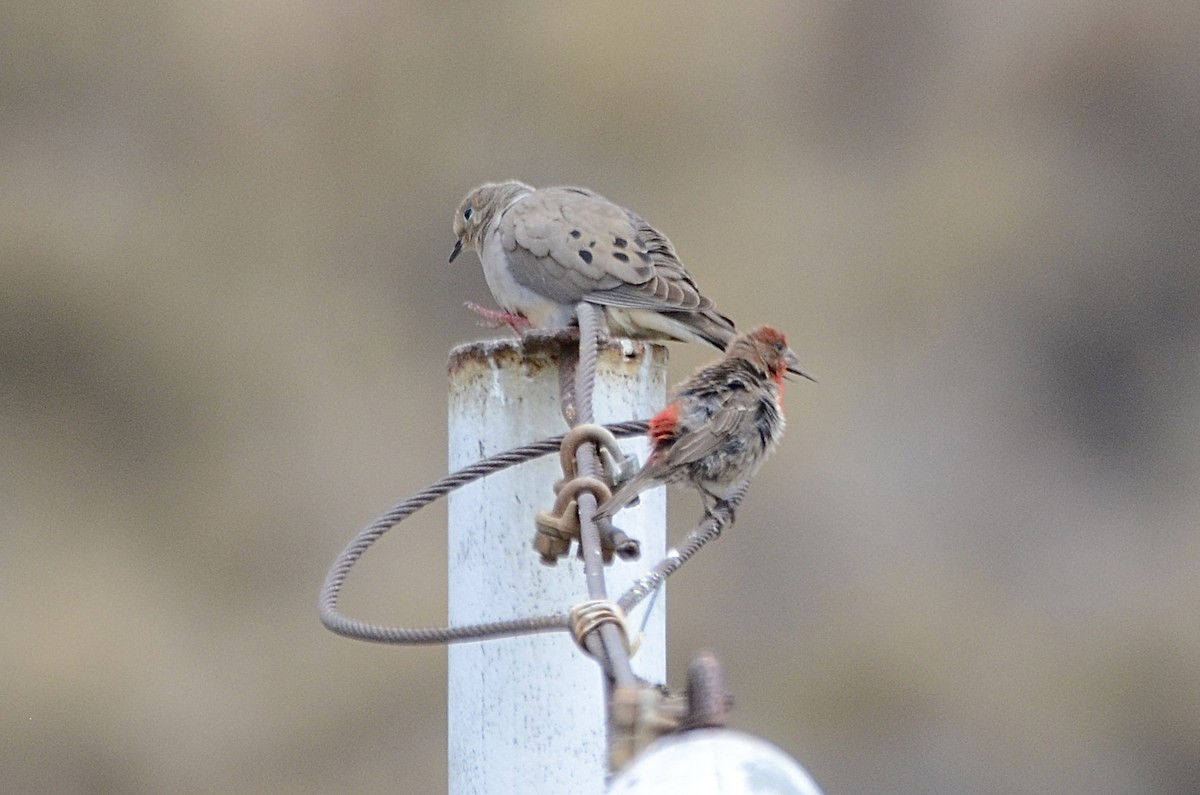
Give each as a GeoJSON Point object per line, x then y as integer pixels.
{"type": "Point", "coordinates": [605, 645]}
{"type": "Point", "coordinates": [364, 538]}
{"type": "Point", "coordinates": [615, 651]}
{"type": "Point", "coordinates": [709, 528]}
{"type": "Point", "coordinates": [598, 624]}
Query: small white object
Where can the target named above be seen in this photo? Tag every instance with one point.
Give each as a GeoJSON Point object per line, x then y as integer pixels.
{"type": "Point", "coordinates": [713, 762]}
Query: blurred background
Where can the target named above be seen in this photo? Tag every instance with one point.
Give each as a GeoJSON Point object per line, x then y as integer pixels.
{"type": "Point", "coordinates": [225, 310]}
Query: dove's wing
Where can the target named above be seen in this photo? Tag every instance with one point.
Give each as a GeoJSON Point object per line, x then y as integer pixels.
{"type": "Point", "coordinates": [570, 244]}
{"type": "Point", "coordinates": [671, 287]}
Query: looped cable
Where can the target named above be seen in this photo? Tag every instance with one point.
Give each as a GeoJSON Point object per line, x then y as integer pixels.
{"type": "Point", "coordinates": [589, 455]}
{"type": "Point", "coordinates": [709, 528]}
{"type": "Point", "coordinates": [331, 589]}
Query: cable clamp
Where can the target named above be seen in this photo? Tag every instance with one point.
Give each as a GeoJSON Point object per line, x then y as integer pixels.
{"type": "Point", "coordinates": [591, 614]}
{"type": "Point", "coordinates": [559, 526]}
{"type": "Point", "coordinates": [618, 467]}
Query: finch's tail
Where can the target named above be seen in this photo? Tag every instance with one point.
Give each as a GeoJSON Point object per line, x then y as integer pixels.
{"type": "Point", "coordinates": [625, 495]}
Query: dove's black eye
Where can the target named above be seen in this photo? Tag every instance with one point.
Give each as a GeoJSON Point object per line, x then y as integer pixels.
{"type": "Point", "coordinates": [467, 214]}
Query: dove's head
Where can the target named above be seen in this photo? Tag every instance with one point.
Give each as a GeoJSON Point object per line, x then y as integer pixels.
{"type": "Point", "coordinates": [479, 208]}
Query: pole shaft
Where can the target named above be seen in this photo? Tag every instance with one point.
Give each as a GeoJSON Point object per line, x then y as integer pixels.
{"type": "Point", "coordinates": [526, 714]}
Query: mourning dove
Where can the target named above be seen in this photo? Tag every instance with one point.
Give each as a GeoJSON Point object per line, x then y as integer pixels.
{"type": "Point", "coordinates": [720, 424]}
{"type": "Point", "coordinates": [543, 251]}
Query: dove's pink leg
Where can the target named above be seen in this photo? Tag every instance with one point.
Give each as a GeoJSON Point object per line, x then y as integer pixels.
{"type": "Point", "coordinates": [495, 318]}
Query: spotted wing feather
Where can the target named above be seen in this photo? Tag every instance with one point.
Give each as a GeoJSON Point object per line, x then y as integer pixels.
{"type": "Point", "coordinates": [570, 244]}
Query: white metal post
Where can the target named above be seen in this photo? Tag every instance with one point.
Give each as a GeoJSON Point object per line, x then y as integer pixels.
{"type": "Point", "coordinates": [526, 714]}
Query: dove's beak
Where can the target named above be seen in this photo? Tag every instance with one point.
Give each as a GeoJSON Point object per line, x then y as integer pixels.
{"type": "Point", "coordinates": [457, 249]}
{"type": "Point", "coordinates": [793, 366]}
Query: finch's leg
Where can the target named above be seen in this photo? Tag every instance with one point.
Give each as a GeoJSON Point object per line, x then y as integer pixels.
{"type": "Point", "coordinates": [718, 508]}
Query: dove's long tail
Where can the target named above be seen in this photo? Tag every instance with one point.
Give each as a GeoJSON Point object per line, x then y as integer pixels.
{"type": "Point", "coordinates": [705, 326]}
{"type": "Point", "coordinates": [709, 326]}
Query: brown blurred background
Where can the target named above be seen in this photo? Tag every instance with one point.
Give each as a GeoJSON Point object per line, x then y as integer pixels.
{"type": "Point", "coordinates": [225, 309]}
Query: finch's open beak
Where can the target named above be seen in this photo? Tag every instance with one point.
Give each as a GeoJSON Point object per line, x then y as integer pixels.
{"type": "Point", "coordinates": [793, 366]}
{"type": "Point", "coordinates": [456, 250]}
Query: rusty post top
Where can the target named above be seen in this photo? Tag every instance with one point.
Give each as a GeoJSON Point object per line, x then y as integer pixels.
{"type": "Point", "coordinates": [546, 347]}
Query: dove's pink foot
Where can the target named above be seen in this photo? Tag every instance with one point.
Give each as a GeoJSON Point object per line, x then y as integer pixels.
{"type": "Point", "coordinates": [495, 318]}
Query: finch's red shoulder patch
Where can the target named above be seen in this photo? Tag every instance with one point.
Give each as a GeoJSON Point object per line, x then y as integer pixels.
{"type": "Point", "coordinates": [664, 424]}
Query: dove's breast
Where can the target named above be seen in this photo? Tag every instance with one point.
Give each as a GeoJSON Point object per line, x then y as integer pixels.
{"type": "Point", "coordinates": [512, 296]}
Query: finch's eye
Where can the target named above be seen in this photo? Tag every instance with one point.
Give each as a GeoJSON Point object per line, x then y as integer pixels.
{"type": "Point", "coordinates": [467, 213]}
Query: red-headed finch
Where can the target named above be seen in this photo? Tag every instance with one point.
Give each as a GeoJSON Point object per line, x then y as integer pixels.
{"type": "Point", "coordinates": [720, 424]}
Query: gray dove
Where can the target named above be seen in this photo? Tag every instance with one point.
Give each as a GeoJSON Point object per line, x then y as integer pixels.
{"type": "Point", "coordinates": [545, 250]}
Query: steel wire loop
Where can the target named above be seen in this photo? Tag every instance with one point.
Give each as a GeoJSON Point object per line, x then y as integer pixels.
{"type": "Point", "coordinates": [590, 614]}
{"type": "Point", "coordinates": [592, 465]}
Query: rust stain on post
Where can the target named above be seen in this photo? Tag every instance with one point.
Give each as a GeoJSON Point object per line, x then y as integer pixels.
{"type": "Point", "coordinates": [540, 349]}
